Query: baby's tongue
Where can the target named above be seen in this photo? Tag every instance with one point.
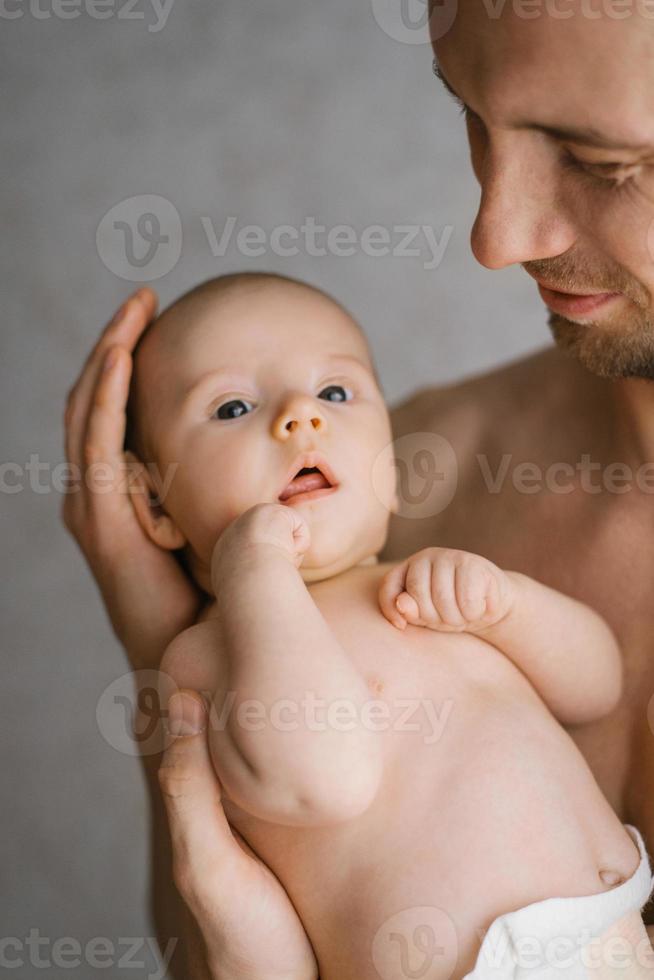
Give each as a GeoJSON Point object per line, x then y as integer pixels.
{"type": "Point", "coordinates": [304, 484]}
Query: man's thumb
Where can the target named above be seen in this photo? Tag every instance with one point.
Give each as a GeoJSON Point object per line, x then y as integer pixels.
{"type": "Point", "coordinates": [187, 714]}
{"type": "Point", "coordinates": [199, 830]}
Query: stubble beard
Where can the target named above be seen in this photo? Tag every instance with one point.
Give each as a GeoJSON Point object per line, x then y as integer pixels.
{"type": "Point", "coordinates": [627, 353]}
{"type": "Point", "coordinates": [619, 347]}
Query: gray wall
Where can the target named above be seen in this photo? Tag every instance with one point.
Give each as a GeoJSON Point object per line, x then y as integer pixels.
{"type": "Point", "coordinates": [268, 112]}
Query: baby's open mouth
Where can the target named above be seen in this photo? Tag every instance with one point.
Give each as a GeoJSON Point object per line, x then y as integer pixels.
{"type": "Point", "coordinates": [306, 480]}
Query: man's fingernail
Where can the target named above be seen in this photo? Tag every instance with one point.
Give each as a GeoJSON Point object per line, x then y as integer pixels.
{"type": "Point", "coordinates": [185, 715]}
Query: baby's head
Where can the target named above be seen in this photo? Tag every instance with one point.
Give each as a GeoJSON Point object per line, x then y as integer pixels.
{"type": "Point", "coordinates": [237, 387]}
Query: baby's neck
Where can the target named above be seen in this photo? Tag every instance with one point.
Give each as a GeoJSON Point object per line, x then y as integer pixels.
{"type": "Point", "coordinates": [310, 576]}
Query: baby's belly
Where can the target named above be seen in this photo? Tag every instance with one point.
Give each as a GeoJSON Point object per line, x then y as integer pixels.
{"type": "Point", "coordinates": [499, 812]}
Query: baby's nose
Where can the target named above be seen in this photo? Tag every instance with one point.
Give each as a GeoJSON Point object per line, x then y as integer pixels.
{"type": "Point", "coordinates": [298, 414]}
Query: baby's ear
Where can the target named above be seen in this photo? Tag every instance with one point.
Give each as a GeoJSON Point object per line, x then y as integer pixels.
{"type": "Point", "coordinates": [155, 522]}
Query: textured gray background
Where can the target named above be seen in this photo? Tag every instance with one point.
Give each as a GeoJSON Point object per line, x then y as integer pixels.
{"type": "Point", "coordinates": [269, 112]}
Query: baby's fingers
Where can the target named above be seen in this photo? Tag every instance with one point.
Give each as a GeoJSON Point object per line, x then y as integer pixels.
{"type": "Point", "coordinates": [472, 590]}
{"type": "Point", "coordinates": [392, 585]}
{"type": "Point", "coordinates": [409, 608]}
{"type": "Point", "coordinates": [444, 595]}
{"type": "Point", "coordinates": [419, 587]}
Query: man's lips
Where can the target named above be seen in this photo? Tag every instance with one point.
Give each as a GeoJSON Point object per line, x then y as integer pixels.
{"type": "Point", "coordinates": [309, 477]}
{"type": "Point", "coordinates": [574, 304]}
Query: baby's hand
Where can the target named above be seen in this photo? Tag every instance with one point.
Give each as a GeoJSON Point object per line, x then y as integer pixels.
{"type": "Point", "coordinates": [264, 525]}
{"type": "Point", "coordinates": [451, 591]}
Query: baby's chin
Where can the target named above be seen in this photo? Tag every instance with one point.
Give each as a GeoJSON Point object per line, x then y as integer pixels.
{"type": "Point", "coordinates": [319, 572]}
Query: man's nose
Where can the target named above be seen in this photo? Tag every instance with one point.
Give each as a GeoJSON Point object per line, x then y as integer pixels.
{"type": "Point", "coordinates": [299, 413]}
{"type": "Point", "coordinates": [522, 216]}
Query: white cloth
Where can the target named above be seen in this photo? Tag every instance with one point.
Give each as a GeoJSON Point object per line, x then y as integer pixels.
{"type": "Point", "coordinates": [558, 938]}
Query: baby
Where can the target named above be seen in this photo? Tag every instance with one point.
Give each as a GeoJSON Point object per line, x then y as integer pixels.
{"type": "Point", "coordinates": [387, 737]}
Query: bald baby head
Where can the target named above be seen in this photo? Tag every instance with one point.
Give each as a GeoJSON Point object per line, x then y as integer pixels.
{"type": "Point", "coordinates": [228, 308]}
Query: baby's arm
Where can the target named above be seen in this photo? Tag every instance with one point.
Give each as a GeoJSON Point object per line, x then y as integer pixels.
{"type": "Point", "coordinates": [563, 647]}
{"type": "Point", "coordinates": [292, 756]}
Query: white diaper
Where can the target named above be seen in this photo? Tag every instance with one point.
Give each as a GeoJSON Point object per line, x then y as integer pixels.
{"type": "Point", "coordinates": [558, 938]}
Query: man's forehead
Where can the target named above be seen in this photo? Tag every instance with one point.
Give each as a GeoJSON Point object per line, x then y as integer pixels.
{"type": "Point", "coordinates": [513, 67]}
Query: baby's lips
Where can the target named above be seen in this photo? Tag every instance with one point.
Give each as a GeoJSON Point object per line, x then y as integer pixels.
{"type": "Point", "coordinates": [308, 461]}
{"type": "Point", "coordinates": [304, 484]}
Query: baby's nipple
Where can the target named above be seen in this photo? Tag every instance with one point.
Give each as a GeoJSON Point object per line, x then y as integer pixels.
{"type": "Point", "coordinates": [611, 878]}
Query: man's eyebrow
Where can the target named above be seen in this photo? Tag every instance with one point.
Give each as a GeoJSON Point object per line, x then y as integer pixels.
{"type": "Point", "coordinates": [588, 136]}
{"type": "Point", "coordinates": [585, 135]}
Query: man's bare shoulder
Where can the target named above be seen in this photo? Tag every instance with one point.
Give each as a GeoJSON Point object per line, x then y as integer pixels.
{"type": "Point", "coordinates": [506, 384]}
{"type": "Point", "coordinates": [467, 411]}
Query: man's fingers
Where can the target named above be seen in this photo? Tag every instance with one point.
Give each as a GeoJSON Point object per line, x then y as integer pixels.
{"type": "Point", "coordinates": [201, 836]}
{"type": "Point", "coordinates": [127, 323]}
{"type": "Point", "coordinates": [124, 331]}
{"type": "Point", "coordinates": [105, 431]}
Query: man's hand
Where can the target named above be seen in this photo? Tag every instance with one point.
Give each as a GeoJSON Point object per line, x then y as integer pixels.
{"type": "Point", "coordinates": [262, 526]}
{"type": "Point", "coordinates": [451, 591]}
{"type": "Point", "coordinates": [248, 923]}
{"type": "Point", "coordinates": [148, 596]}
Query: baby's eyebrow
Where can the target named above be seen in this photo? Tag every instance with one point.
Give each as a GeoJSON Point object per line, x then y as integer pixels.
{"type": "Point", "coordinates": [235, 375]}
{"type": "Point", "coordinates": [351, 358]}
{"type": "Point", "coordinates": [210, 376]}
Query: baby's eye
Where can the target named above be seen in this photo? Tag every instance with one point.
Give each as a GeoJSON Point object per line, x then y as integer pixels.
{"type": "Point", "coordinates": [335, 393]}
{"type": "Point", "coordinates": [232, 409]}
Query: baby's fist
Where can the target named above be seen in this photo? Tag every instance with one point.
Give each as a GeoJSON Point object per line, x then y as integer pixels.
{"type": "Point", "coordinates": [265, 525]}
{"type": "Point", "coordinates": [442, 589]}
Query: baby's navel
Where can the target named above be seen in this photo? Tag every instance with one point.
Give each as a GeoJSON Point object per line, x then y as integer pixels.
{"type": "Point", "coordinates": [611, 878]}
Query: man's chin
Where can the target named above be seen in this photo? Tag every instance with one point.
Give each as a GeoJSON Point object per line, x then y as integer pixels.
{"type": "Point", "coordinates": [609, 351]}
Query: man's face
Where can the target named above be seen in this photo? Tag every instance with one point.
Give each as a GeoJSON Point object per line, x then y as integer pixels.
{"type": "Point", "coordinates": [236, 390]}
{"type": "Point", "coordinates": [560, 119]}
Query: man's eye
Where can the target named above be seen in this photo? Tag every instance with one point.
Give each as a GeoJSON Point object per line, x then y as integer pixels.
{"type": "Point", "coordinates": [232, 409]}
{"type": "Point", "coordinates": [335, 393]}
{"type": "Point", "coordinates": [612, 173]}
